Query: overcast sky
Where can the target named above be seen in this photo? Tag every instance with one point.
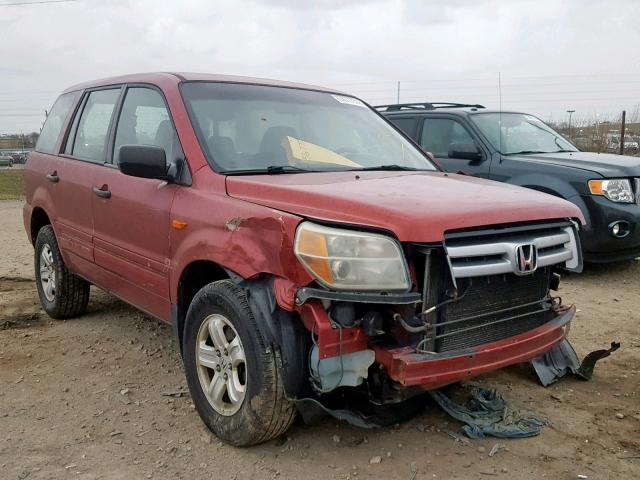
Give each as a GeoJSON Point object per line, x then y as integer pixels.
{"type": "Point", "coordinates": [552, 55]}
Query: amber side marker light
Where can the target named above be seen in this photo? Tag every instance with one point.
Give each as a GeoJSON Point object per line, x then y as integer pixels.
{"type": "Point", "coordinates": [179, 224]}
{"type": "Point", "coordinates": [596, 187]}
{"type": "Point", "coordinates": [316, 254]}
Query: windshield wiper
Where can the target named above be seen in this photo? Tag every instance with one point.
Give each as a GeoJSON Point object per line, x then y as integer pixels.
{"type": "Point", "coordinates": [277, 169]}
{"type": "Point", "coordinates": [270, 170]}
{"type": "Point", "coordinates": [390, 167]}
{"type": "Point", "coordinates": [281, 169]}
{"type": "Point", "coordinates": [525, 152]}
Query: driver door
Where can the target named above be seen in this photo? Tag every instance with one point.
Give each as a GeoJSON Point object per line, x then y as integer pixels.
{"type": "Point", "coordinates": [441, 135]}
{"type": "Point", "coordinates": [131, 214]}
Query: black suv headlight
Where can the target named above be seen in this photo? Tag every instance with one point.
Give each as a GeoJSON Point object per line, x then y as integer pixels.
{"type": "Point", "coordinates": [616, 189]}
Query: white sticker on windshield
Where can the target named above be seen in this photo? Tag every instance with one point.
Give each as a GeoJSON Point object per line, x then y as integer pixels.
{"type": "Point", "coordinates": [349, 100]}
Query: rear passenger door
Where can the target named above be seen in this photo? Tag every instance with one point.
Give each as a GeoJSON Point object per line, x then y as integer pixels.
{"type": "Point", "coordinates": [83, 157]}
{"type": "Point", "coordinates": [440, 133]}
{"type": "Point", "coordinates": [43, 172]}
{"type": "Point", "coordinates": [132, 215]}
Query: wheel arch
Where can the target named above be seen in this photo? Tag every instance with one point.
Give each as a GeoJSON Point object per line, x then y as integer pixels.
{"type": "Point", "coordinates": [193, 277]}
{"type": "Point", "coordinates": [39, 219]}
{"type": "Point", "coordinates": [281, 329]}
{"type": "Point", "coordinates": [553, 186]}
{"type": "Point", "coordinates": [540, 188]}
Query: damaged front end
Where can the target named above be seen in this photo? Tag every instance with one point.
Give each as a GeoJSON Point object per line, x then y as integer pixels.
{"type": "Point", "coordinates": [473, 305]}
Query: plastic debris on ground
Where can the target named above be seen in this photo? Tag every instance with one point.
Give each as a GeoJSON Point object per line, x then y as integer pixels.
{"type": "Point", "coordinates": [562, 359]}
{"type": "Point", "coordinates": [486, 413]}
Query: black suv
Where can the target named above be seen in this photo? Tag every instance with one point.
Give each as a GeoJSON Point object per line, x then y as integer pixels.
{"type": "Point", "coordinates": [520, 149]}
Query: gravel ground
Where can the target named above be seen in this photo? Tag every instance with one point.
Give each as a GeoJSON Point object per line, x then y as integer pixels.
{"type": "Point", "coordinates": [99, 397]}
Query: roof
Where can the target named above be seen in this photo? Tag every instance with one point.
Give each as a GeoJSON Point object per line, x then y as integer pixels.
{"type": "Point", "coordinates": [451, 108]}
{"type": "Point", "coordinates": [158, 77]}
{"type": "Point", "coordinates": [423, 106]}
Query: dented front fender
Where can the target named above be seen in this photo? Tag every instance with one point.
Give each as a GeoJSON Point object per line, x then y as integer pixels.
{"type": "Point", "coordinates": [240, 236]}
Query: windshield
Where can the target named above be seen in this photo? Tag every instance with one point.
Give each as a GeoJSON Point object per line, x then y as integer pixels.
{"type": "Point", "coordinates": [254, 129]}
{"type": "Point", "coordinates": [521, 133]}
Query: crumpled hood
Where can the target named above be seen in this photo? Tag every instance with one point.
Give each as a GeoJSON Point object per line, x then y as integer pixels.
{"type": "Point", "coordinates": [415, 206]}
{"type": "Point", "coordinates": [605, 164]}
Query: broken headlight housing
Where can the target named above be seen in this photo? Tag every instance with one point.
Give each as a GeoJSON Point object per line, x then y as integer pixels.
{"type": "Point", "coordinates": [616, 189]}
{"type": "Point", "coordinates": [342, 259]}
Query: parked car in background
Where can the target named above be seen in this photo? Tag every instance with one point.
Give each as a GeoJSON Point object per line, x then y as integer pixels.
{"type": "Point", "coordinates": [302, 248]}
{"type": "Point", "coordinates": [630, 146]}
{"type": "Point", "coordinates": [6, 161]}
{"type": "Point", "coordinates": [520, 149]}
{"type": "Point", "coordinates": [19, 158]}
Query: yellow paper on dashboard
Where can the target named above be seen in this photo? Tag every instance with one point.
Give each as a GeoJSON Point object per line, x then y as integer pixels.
{"type": "Point", "coordinates": [298, 151]}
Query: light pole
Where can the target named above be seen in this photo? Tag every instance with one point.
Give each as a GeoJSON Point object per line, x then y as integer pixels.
{"type": "Point", "coordinates": [570, 112]}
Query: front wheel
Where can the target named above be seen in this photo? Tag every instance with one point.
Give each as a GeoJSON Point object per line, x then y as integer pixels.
{"type": "Point", "coordinates": [62, 294]}
{"type": "Point", "coordinates": [231, 370]}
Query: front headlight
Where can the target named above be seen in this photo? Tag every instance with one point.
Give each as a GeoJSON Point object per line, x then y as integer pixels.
{"type": "Point", "coordinates": [350, 260]}
{"type": "Point", "coordinates": [617, 189]}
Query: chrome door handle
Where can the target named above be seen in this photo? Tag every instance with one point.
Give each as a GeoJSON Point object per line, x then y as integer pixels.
{"type": "Point", "coordinates": [53, 177]}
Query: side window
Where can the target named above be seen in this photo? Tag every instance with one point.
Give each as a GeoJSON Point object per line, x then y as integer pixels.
{"type": "Point", "coordinates": [407, 125]}
{"type": "Point", "coordinates": [144, 120]}
{"type": "Point", "coordinates": [93, 127]}
{"type": "Point", "coordinates": [439, 133]}
{"type": "Point", "coordinates": [55, 121]}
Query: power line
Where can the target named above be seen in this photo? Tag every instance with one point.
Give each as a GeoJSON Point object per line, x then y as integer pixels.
{"type": "Point", "coordinates": [39, 2]}
{"type": "Point", "coordinates": [21, 115]}
{"type": "Point", "coordinates": [491, 79]}
{"type": "Point", "coordinates": [29, 92]}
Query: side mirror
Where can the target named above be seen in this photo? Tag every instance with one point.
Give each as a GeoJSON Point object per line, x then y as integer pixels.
{"type": "Point", "coordinates": [144, 161]}
{"type": "Point", "coordinates": [465, 151]}
{"type": "Point", "coordinates": [431, 158]}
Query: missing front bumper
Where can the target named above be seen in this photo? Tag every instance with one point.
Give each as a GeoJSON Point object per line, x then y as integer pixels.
{"type": "Point", "coordinates": [434, 370]}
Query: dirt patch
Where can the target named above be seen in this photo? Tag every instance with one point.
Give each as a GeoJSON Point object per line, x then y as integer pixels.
{"type": "Point", "coordinates": [19, 321]}
{"type": "Point", "coordinates": [99, 397]}
{"type": "Point", "coordinates": [18, 306]}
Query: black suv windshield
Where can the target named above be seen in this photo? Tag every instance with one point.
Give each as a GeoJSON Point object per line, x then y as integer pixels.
{"type": "Point", "coordinates": [521, 133]}
{"type": "Point", "coordinates": [263, 129]}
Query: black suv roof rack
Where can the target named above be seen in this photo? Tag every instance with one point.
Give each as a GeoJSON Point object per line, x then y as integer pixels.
{"type": "Point", "coordinates": [396, 107]}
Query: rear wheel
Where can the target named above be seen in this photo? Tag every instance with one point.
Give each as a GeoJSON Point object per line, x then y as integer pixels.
{"type": "Point", "coordinates": [231, 370]}
{"type": "Point", "coordinates": [62, 294]}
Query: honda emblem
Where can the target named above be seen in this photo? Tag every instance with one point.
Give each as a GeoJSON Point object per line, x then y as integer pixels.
{"type": "Point", "coordinates": [526, 259]}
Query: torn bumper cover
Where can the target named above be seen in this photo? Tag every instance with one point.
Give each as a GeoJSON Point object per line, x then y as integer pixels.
{"type": "Point", "coordinates": [562, 359]}
{"type": "Point", "coordinates": [434, 370]}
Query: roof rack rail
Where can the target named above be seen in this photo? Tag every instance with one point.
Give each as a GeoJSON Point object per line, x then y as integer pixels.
{"type": "Point", "coordinates": [396, 107]}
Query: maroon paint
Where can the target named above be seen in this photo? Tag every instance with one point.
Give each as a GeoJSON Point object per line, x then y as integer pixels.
{"type": "Point", "coordinates": [135, 250]}
{"type": "Point", "coordinates": [415, 206]}
{"type": "Point", "coordinates": [331, 341]}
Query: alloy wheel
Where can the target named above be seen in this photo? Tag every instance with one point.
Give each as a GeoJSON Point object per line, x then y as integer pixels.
{"type": "Point", "coordinates": [47, 273]}
{"type": "Point", "coordinates": [221, 362]}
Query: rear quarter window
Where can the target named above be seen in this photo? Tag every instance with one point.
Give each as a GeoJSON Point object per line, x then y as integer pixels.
{"type": "Point", "coordinates": [56, 120]}
{"type": "Point", "coordinates": [407, 125]}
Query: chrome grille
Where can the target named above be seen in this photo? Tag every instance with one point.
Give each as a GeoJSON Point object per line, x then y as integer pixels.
{"type": "Point", "coordinates": [475, 254]}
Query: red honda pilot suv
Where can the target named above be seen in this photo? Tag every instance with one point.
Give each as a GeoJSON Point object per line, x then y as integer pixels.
{"type": "Point", "coordinates": [307, 253]}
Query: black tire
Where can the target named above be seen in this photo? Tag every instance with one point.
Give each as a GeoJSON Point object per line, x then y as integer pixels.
{"type": "Point", "coordinates": [265, 412]}
{"type": "Point", "coordinates": [71, 292]}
